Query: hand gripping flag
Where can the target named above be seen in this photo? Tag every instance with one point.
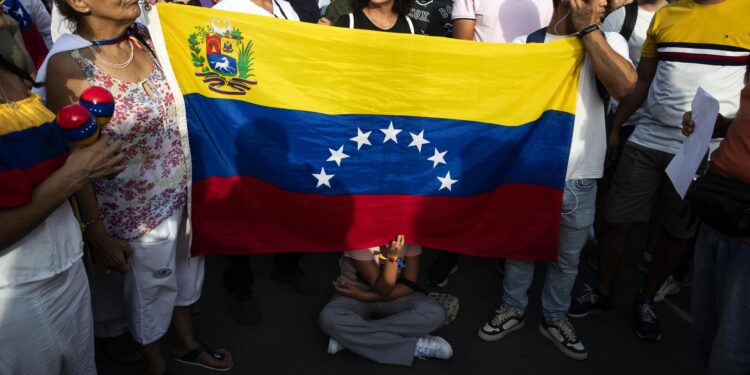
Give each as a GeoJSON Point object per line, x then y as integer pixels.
{"type": "Point", "coordinates": [312, 138]}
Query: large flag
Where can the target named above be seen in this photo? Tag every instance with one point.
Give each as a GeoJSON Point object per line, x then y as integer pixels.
{"type": "Point", "coordinates": [313, 138]}
{"type": "Point", "coordinates": [32, 38]}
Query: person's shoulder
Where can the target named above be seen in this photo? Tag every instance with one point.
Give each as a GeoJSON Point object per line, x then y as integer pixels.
{"type": "Point", "coordinates": [343, 21]}
{"type": "Point", "coordinates": [62, 64]}
{"type": "Point", "coordinates": [614, 20]}
{"type": "Point", "coordinates": [362, 254]}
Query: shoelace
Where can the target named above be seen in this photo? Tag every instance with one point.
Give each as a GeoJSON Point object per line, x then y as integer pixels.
{"type": "Point", "coordinates": [566, 330]}
{"type": "Point", "coordinates": [647, 313]}
{"type": "Point", "coordinates": [589, 296]}
{"type": "Point", "coordinates": [427, 348]}
{"type": "Point", "coordinates": [501, 316]}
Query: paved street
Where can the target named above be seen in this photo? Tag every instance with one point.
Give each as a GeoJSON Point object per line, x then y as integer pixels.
{"type": "Point", "coordinates": [288, 340]}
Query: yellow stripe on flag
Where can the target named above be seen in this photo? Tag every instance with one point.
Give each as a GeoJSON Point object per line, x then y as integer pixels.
{"type": "Point", "coordinates": [335, 70]}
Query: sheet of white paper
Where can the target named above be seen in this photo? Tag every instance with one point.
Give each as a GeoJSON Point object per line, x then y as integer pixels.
{"type": "Point", "coordinates": [686, 162]}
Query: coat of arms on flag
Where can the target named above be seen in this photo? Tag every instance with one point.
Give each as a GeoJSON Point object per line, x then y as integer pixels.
{"type": "Point", "coordinates": [223, 58]}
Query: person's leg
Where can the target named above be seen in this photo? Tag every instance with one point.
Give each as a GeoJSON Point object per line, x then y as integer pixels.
{"type": "Point", "coordinates": [415, 315]}
{"type": "Point", "coordinates": [509, 317]}
{"type": "Point", "coordinates": [704, 297]}
{"type": "Point", "coordinates": [677, 227]}
{"type": "Point", "coordinates": [631, 198]}
{"type": "Point", "coordinates": [188, 275]}
{"type": "Point", "coordinates": [445, 265]}
{"type": "Point", "coordinates": [238, 275]}
{"type": "Point", "coordinates": [347, 321]}
{"type": "Point", "coordinates": [579, 203]}
{"type": "Point", "coordinates": [151, 288]}
{"type": "Point", "coordinates": [730, 353]}
{"type": "Point", "coordinates": [238, 293]}
{"type": "Point", "coordinates": [38, 322]}
{"type": "Point", "coordinates": [286, 269]}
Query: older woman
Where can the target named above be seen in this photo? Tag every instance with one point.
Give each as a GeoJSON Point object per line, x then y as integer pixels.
{"type": "Point", "coordinates": [137, 221]}
{"type": "Point", "coordinates": [45, 308]}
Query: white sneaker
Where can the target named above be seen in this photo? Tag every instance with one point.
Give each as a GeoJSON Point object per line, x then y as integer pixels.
{"type": "Point", "coordinates": [669, 287]}
{"type": "Point", "coordinates": [433, 347]}
{"type": "Point", "coordinates": [334, 346]}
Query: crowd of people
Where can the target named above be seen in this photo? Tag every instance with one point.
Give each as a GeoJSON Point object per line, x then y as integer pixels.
{"type": "Point", "coordinates": [125, 197]}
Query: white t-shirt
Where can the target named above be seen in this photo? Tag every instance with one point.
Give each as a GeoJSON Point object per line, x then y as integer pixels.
{"type": "Point", "coordinates": [614, 23]}
{"type": "Point", "coordinates": [589, 143]}
{"type": "Point", "coordinates": [51, 248]}
{"type": "Point", "coordinates": [281, 8]}
{"type": "Point", "coordinates": [503, 20]}
{"type": "Point", "coordinates": [349, 272]}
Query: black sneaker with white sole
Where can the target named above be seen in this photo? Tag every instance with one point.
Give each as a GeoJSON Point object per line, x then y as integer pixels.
{"type": "Point", "coordinates": [564, 336]}
{"type": "Point", "coordinates": [504, 322]}
{"type": "Point", "coordinates": [589, 302]}
{"type": "Point", "coordinates": [647, 325]}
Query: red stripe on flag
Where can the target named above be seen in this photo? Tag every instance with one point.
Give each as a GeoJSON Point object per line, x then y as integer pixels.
{"type": "Point", "coordinates": [34, 43]}
{"type": "Point", "coordinates": [17, 184]}
{"type": "Point", "coordinates": [241, 215]}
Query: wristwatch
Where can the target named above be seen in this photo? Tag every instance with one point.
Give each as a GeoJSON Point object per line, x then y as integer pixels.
{"type": "Point", "coordinates": [587, 30]}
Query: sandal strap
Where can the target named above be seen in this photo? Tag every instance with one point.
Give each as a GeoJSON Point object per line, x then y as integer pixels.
{"type": "Point", "coordinates": [192, 355]}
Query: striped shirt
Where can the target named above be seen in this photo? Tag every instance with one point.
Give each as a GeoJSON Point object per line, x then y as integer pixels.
{"type": "Point", "coordinates": [696, 46]}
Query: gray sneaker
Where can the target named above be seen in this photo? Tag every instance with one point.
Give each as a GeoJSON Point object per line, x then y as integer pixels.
{"type": "Point", "coordinates": [504, 322]}
{"type": "Point", "coordinates": [433, 347]}
{"type": "Point", "coordinates": [564, 336]}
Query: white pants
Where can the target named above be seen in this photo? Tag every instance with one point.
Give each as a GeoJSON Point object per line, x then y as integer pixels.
{"type": "Point", "coordinates": [46, 326]}
{"type": "Point", "coordinates": [162, 276]}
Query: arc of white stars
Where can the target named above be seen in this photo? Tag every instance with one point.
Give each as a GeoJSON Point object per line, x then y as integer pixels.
{"type": "Point", "coordinates": [337, 155]}
{"type": "Point", "coordinates": [437, 158]}
{"type": "Point", "coordinates": [323, 178]}
{"type": "Point", "coordinates": [417, 140]}
{"type": "Point", "coordinates": [361, 139]}
{"type": "Point", "coordinates": [390, 133]}
{"type": "Point", "coordinates": [446, 182]}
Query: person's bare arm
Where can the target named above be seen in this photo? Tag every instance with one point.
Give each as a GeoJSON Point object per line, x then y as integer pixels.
{"type": "Point", "coordinates": [65, 83]}
{"type": "Point", "coordinates": [628, 106]}
{"type": "Point", "coordinates": [382, 281]}
{"type": "Point", "coordinates": [81, 167]}
{"type": "Point", "coordinates": [615, 72]}
{"type": "Point", "coordinates": [463, 28]}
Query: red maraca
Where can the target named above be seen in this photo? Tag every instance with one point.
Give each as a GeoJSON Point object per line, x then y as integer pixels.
{"type": "Point", "coordinates": [99, 102]}
{"type": "Point", "coordinates": [77, 125]}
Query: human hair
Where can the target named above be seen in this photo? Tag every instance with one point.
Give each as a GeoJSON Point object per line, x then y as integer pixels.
{"type": "Point", "coordinates": [18, 72]}
{"type": "Point", "coordinates": [401, 7]}
{"type": "Point", "coordinates": [71, 15]}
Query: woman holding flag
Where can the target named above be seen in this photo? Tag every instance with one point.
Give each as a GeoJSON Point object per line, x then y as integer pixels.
{"type": "Point", "coordinates": [137, 222]}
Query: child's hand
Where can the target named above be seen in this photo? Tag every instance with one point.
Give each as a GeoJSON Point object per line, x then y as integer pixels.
{"type": "Point", "coordinates": [395, 249]}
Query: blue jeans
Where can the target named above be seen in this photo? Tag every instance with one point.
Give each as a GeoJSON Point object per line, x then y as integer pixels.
{"type": "Point", "coordinates": [721, 302]}
{"type": "Point", "coordinates": [577, 216]}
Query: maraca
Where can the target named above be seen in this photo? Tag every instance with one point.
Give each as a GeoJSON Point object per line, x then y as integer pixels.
{"type": "Point", "coordinates": [77, 125]}
{"type": "Point", "coordinates": [99, 102]}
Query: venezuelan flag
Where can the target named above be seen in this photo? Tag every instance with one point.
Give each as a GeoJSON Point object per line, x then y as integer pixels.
{"type": "Point", "coordinates": [313, 138]}
{"type": "Point", "coordinates": [31, 149]}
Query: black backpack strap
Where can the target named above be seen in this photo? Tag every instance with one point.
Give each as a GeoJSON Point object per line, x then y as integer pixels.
{"type": "Point", "coordinates": [631, 16]}
{"type": "Point", "coordinates": [537, 36]}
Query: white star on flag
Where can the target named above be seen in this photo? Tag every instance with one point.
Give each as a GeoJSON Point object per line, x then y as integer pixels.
{"type": "Point", "coordinates": [417, 140]}
{"type": "Point", "coordinates": [323, 178]}
{"type": "Point", "coordinates": [337, 155]}
{"type": "Point", "coordinates": [438, 158]}
{"type": "Point", "coordinates": [361, 139]}
{"type": "Point", "coordinates": [446, 182]}
{"type": "Point", "coordinates": [390, 133]}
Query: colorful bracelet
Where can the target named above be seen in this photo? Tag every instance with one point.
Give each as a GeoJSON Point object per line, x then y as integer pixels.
{"type": "Point", "coordinates": [86, 224]}
{"type": "Point", "coordinates": [392, 260]}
